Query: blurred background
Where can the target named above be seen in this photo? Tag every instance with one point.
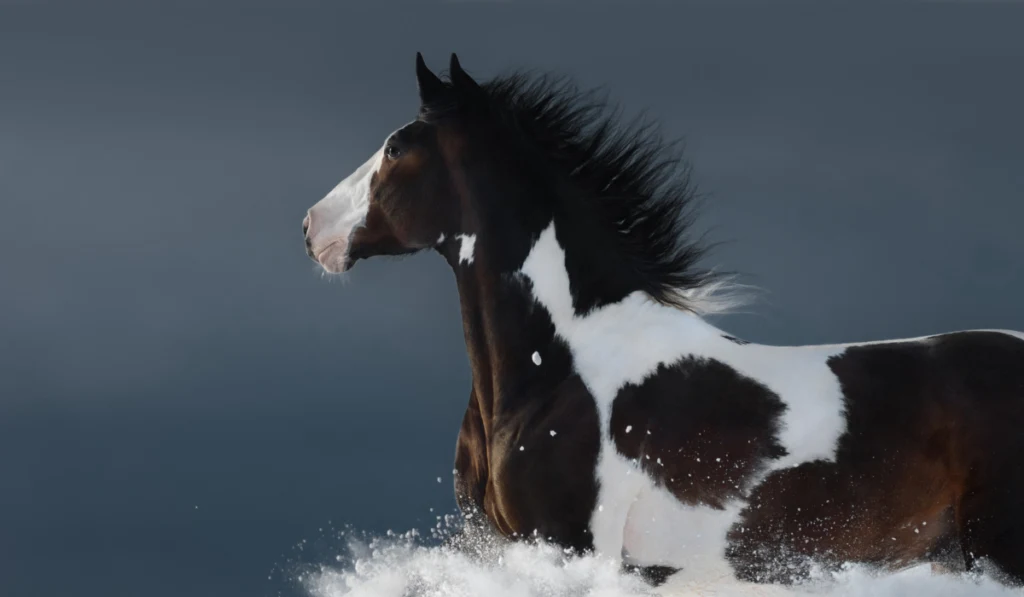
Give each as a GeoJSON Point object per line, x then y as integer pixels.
{"type": "Point", "coordinates": [184, 399]}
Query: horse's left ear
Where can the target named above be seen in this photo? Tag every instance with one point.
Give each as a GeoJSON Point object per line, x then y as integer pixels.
{"type": "Point", "coordinates": [431, 88]}
{"type": "Point", "coordinates": [460, 78]}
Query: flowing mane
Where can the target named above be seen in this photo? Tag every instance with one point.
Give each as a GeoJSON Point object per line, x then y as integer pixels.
{"type": "Point", "coordinates": [639, 184]}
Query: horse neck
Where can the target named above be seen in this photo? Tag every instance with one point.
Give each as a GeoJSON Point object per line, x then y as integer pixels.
{"type": "Point", "coordinates": [509, 316]}
{"type": "Point", "coordinates": [500, 326]}
{"type": "Point", "coordinates": [514, 287]}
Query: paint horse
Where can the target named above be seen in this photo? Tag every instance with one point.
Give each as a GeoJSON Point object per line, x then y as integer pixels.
{"type": "Point", "coordinates": [608, 417]}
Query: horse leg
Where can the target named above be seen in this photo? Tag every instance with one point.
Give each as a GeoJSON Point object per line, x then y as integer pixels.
{"type": "Point", "coordinates": [652, 575]}
{"type": "Point", "coordinates": [990, 521]}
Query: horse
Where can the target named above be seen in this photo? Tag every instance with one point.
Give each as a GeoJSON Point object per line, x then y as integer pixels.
{"type": "Point", "coordinates": [607, 416]}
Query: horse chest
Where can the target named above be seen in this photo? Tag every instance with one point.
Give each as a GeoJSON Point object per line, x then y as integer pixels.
{"type": "Point", "coordinates": [542, 464]}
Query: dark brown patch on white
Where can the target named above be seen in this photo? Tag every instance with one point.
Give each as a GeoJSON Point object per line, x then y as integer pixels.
{"type": "Point", "coordinates": [699, 429]}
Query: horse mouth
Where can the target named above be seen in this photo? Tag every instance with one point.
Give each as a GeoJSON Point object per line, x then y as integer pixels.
{"type": "Point", "coordinates": [334, 257]}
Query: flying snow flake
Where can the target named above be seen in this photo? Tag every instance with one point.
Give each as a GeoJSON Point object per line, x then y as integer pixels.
{"type": "Point", "coordinates": [439, 479]}
{"type": "Point", "coordinates": [552, 432]}
{"type": "Point", "coordinates": [536, 358]}
{"type": "Point", "coordinates": [629, 428]}
{"type": "Point", "coordinates": [521, 448]}
{"type": "Point", "coordinates": [600, 508]}
{"type": "Point", "coordinates": [659, 462]}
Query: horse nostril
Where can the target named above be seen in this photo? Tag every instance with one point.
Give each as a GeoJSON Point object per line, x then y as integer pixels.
{"type": "Point", "coordinates": [305, 234]}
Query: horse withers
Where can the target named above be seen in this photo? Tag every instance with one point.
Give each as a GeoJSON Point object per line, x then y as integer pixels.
{"type": "Point", "coordinates": [606, 415]}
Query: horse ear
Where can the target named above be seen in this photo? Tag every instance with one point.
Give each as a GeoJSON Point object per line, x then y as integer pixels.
{"type": "Point", "coordinates": [430, 86]}
{"type": "Point", "coordinates": [460, 78]}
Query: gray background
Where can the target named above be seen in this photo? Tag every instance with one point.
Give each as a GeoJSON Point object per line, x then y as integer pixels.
{"type": "Point", "coordinates": [165, 344]}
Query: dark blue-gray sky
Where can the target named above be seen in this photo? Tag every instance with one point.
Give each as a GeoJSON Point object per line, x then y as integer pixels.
{"type": "Point", "coordinates": [166, 344]}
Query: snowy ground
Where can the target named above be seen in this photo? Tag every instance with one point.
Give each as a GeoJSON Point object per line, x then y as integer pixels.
{"type": "Point", "coordinates": [401, 566]}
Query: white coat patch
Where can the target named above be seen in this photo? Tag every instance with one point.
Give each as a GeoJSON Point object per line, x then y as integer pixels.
{"type": "Point", "coordinates": [468, 241]}
{"type": "Point", "coordinates": [624, 343]}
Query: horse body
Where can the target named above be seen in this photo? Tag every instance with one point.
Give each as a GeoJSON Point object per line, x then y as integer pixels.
{"type": "Point", "coordinates": [714, 456]}
{"type": "Point", "coordinates": [607, 415]}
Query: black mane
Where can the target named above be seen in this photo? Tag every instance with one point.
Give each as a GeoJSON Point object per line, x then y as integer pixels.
{"type": "Point", "coordinates": [639, 183]}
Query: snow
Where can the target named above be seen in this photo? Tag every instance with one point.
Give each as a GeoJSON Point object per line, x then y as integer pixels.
{"type": "Point", "coordinates": [399, 566]}
{"type": "Point", "coordinates": [536, 358]}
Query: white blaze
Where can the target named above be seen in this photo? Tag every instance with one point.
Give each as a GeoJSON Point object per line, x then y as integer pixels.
{"type": "Point", "coordinates": [334, 217]}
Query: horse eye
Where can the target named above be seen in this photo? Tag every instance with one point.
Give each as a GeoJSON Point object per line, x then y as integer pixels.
{"type": "Point", "coordinates": [392, 152]}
